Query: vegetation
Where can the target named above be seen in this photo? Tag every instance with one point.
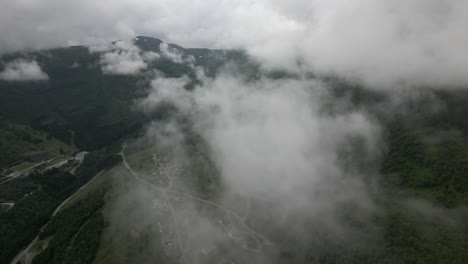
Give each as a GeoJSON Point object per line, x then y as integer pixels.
{"type": "Point", "coordinates": [82, 108]}
{"type": "Point", "coordinates": [439, 170]}
{"type": "Point", "coordinates": [76, 232]}
{"type": "Point", "coordinates": [20, 224]}
{"type": "Point", "coordinates": [35, 198]}
{"type": "Point", "coordinates": [17, 142]}
{"type": "Point", "coordinates": [82, 101]}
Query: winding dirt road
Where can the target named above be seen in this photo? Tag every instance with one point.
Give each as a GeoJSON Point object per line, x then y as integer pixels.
{"type": "Point", "coordinates": [168, 190]}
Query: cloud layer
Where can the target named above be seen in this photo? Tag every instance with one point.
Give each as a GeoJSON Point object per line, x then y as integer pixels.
{"type": "Point", "coordinates": [380, 43]}
{"type": "Point", "coordinates": [122, 58]}
{"type": "Point", "coordinates": [23, 70]}
{"type": "Point", "coordinates": [274, 141]}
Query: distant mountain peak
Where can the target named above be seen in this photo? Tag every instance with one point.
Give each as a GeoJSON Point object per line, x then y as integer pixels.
{"type": "Point", "coordinates": [153, 44]}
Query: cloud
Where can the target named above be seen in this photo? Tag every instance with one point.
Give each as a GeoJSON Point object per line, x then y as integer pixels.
{"type": "Point", "coordinates": [274, 143]}
{"type": "Point", "coordinates": [170, 54]}
{"type": "Point", "coordinates": [124, 59]}
{"type": "Point", "coordinates": [23, 70]}
{"type": "Point", "coordinates": [288, 162]}
{"type": "Point", "coordinates": [297, 168]}
{"type": "Point", "coordinates": [285, 147]}
{"type": "Point", "coordinates": [376, 42]}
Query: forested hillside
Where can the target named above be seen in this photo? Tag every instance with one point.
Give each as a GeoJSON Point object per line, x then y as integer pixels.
{"type": "Point", "coordinates": [421, 170]}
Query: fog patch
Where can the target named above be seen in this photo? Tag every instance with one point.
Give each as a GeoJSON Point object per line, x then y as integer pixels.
{"type": "Point", "coordinates": [286, 162]}
{"type": "Point", "coordinates": [23, 70]}
{"type": "Point", "coordinates": [170, 53]}
{"type": "Point", "coordinates": [122, 58]}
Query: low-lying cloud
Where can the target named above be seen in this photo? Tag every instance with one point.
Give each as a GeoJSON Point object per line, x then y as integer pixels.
{"type": "Point", "coordinates": [376, 42]}
{"type": "Point", "coordinates": [276, 142]}
{"type": "Point", "coordinates": [23, 70]}
{"type": "Point", "coordinates": [170, 54]}
{"type": "Point", "coordinates": [123, 58]}
{"type": "Point", "coordinates": [291, 167]}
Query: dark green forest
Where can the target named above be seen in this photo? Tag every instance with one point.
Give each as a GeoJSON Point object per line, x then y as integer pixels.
{"type": "Point", "coordinates": [76, 232]}
{"type": "Point", "coordinates": [37, 196]}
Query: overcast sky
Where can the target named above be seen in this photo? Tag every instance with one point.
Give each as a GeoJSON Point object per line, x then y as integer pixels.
{"type": "Point", "coordinates": [380, 42]}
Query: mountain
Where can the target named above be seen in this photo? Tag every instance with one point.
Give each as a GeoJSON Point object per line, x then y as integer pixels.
{"type": "Point", "coordinates": [56, 135]}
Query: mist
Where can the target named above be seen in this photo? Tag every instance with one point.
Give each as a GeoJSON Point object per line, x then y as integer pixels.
{"type": "Point", "coordinates": [22, 70]}
{"type": "Point", "coordinates": [240, 170]}
{"type": "Point", "coordinates": [282, 161]}
{"type": "Point", "coordinates": [281, 166]}
{"type": "Point", "coordinates": [380, 44]}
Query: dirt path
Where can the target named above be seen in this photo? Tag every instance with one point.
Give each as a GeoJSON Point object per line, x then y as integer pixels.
{"type": "Point", "coordinates": [167, 190]}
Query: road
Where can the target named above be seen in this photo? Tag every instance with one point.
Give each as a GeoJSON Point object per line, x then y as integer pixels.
{"type": "Point", "coordinates": [10, 205]}
{"type": "Point", "coordinates": [258, 238]}
{"type": "Point", "coordinates": [25, 172]}
{"type": "Point", "coordinates": [163, 190]}
{"type": "Point", "coordinates": [24, 252]}
{"type": "Point", "coordinates": [79, 157]}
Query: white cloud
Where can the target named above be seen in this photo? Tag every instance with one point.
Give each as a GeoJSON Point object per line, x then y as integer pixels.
{"type": "Point", "coordinates": [379, 42]}
{"type": "Point", "coordinates": [288, 165]}
{"type": "Point", "coordinates": [272, 142]}
{"type": "Point", "coordinates": [170, 54]}
{"type": "Point", "coordinates": [123, 59]}
{"type": "Point", "coordinates": [23, 70]}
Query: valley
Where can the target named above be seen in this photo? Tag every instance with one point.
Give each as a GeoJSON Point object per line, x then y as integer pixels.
{"type": "Point", "coordinates": [202, 156]}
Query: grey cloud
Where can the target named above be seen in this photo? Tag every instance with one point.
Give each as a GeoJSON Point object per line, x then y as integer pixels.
{"type": "Point", "coordinates": [124, 59]}
{"type": "Point", "coordinates": [170, 54]}
{"type": "Point", "coordinates": [23, 70]}
{"type": "Point", "coordinates": [285, 168]}
{"type": "Point", "coordinates": [272, 142]}
{"type": "Point", "coordinates": [378, 43]}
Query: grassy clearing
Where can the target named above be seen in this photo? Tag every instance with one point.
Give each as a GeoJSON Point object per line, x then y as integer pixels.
{"type": "Point", "coordinates": [101, 180]}
{"type": "Point", "coordinates": [124, 247]}
{"type": "Point", "coordinates": [24, 165]}
{"type": "Point", "coordinates": [56, 146]}
{"type": "Point", "coordinates": [57, 160]}
{"type": "Point", "coordinates": [16, 141]}
{"type": "Point", "coordinates": [40, 140]}
{"type": "Point", "coordinates": [37, 247]}
{"type": "Point", "coordinates": [142, 160]}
